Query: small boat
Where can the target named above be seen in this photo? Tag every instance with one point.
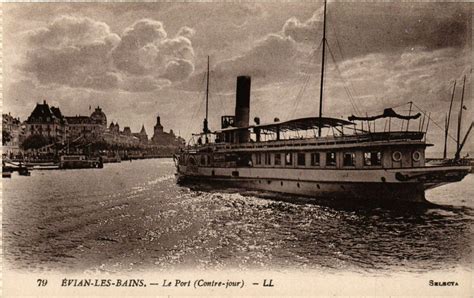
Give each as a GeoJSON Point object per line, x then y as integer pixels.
{"type": "Point", "coordinates": [6, 174]}
{"type": "Point", "coordinates": [450, 162]}
{"type": "Point", "coordinates": [79, 162]}
{"type": "Point", "coordinates": [24, 171]}
{"type": "Point", "coordinates": [8, 167]}
{"type": "Point", "coordinates": [111, 159]}
{"type": "Point", "coordinates": [41, 164]}
{"type": "Point", "coordinates": [53, 166]}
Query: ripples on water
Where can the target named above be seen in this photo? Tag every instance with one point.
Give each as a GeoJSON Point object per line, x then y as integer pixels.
{"type": "Point", "coordinates": [133, 216]}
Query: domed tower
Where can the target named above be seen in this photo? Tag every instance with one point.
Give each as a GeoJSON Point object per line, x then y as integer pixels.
{"type": "Point", "coordinates": [99, 117]}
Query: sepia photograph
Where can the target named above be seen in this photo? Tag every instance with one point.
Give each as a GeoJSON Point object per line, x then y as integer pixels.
{"type": "Point", "coordinates": [237, 148]}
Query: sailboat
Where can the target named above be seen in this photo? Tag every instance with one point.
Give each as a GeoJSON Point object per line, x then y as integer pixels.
{"type": "Point", "coordinates": [317, 157]}
{"type": "Point", "coordinates": [459, 143]}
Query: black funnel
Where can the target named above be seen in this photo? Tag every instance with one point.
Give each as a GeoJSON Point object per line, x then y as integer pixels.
{"type": "Point", "coordinates": [242, 107]}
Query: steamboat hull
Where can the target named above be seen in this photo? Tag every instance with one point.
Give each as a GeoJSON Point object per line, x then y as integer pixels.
{"type": "Point", "coordinates": [377, 185]}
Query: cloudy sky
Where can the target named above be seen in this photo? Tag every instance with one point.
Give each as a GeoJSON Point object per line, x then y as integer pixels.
{"type": "Point", "coordinates": [138, 60]}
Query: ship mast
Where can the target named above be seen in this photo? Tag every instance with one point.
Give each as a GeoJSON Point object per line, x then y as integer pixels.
{"type": "Point", "coordinates": [447, 124]}
{"type": "Point", "coordinates": [322, 71]}
{"type": "Point", "coordinates": [458, 139]}
{"type": "Point", "coordinates": [206, 128]}
{"type": "Point", "coordinates": [464, 140]}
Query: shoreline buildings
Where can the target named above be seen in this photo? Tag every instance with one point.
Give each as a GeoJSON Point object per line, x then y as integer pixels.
{"type": "Point", "coordinates": [160, 137]}
{"type": "Point", "coordinates": [55, 128]}
{"type": "Point", "coordinates": [13, 132]}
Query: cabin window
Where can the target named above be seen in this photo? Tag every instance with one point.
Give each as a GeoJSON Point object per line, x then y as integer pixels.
{"type": "Point", "coordinates": [267, 159]}
{"type": "Point", "coordinates": [277, 159]}
{"type": "Point", "coordinates": [397, 156]}
{"type": "Point", "coordinates": [373, 158]}
{"type": "Point", "coordinates": [288, 158]}
{"type": "Point", "coordinates": [258, 159]}
{"type": "Point", "coordinates": [416, 156]}
{"type": "Point", "coordinates": [301, 159]}
{"type": "Point", "coordinates": [331, 158]}
{"type": "Point", "coordinates": [315, 159]}
{"type": "Point", "coordinates": [349, 159]}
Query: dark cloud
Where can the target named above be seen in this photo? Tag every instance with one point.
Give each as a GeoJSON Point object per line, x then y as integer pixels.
{"type": "Point", "coordinates": [362, 28]}
{"type": "Point", "coordinates": [354, 30]}
{"type": "Point", "coordinates": [270, 59]}
{"type": "Point", "coordinates": [271, 56]}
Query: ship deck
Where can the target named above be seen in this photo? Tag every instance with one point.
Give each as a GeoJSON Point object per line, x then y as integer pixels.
{"type": "Point", "coordinates": [362, 139]}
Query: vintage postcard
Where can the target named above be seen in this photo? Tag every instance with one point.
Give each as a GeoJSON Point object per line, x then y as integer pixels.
{"type": "Point", "coordinates": [244, 148]}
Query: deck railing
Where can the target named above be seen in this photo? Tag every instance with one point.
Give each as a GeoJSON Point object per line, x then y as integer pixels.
{"type": "Point", "coordinates": [328, 140]}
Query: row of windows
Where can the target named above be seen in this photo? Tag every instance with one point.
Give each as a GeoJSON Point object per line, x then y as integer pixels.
{"type": "Point", "coordinates": [39, 127]}
{"type": "Point", "coordinates": [372, 158]}
{"type": "Point", "coordinates": [40, 119]}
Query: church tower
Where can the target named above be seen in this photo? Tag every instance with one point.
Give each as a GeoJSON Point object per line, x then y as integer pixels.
{"type": "Point", "coordinates": [158, 129]}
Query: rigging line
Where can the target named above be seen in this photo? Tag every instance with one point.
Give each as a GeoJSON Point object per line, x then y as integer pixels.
{"type": "Point", "coordinates": [403, 104]}
{"type": "Point", "coordinates": [221, 102]}
{"type": "Point", "coordinates": [306, 79]}
{"type": "Point", "coordinates": [219, 99]}
{"type": "Point", "coordinates": [392, 107]}
{"type": "Point", "coordinates": [297, 79]}
{"type": "Point", "coordinates": [199, 107]}
{"type": "Point", "coordinates": [311, 57]}
{"type": "Point", "coordinates": [345, 87]}
{"type": "Point", "coordinates": [431, 119]}
{"type": "Point", "coordinates": [203, 100]}
{"type": "Point", "coordinates": [349, 95]}
{"type": "Point", "coordinates": [300, 93]}
{"type": "Point", "coordinates": [343, 58]}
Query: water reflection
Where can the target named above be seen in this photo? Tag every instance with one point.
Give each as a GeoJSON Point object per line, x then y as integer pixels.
{"type": "Point", "coordinates": [133, 216]}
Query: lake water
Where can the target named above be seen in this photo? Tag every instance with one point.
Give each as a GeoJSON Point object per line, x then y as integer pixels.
{"type": "Point", "coordinates": [134, 217]}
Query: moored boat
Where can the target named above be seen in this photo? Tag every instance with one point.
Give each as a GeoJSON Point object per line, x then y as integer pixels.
{"type": "Point", "coordinates": [111, 158]}
{"type": "Point", "coordinates": [79, 162]}
{"type": "Point", "coordinates": [8, 167]}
